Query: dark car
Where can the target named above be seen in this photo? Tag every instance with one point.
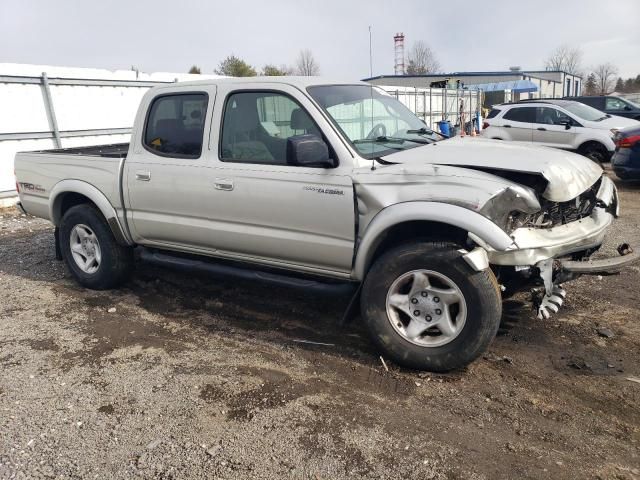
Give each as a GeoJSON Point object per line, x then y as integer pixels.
{"type": "Point", "coordinates": [611, 105]}
{"type": "Point", "coordinates": [626, 159]}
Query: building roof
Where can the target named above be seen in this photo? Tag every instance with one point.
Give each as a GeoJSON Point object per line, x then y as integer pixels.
{"type": "Point", "coordinates": [470, 74]}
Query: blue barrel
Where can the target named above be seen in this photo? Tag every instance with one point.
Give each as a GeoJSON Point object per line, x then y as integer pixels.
{"type": "Point", "coordinates": [444, 127]}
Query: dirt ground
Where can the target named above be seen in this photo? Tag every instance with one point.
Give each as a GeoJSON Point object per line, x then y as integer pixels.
{"type": "Point", "coordinates": [198, 377]}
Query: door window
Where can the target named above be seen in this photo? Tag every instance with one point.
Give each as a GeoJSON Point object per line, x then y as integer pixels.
{"type": "Point", "coordinates": [521, 114]}
{"type": "Point", "coordinates": [175, 125]}
{"type": "Point", "coordinates": [257, 125]}
{"type": "Point", "coordinates": [551, 116]}
{"type": "Point", "coordinates": [615, 104]}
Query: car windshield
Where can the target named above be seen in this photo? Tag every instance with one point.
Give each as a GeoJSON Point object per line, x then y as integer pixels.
{"type": "Point", "coordinates": [374, 122]}
{"type": "Point", "coordinates": [585, 112]}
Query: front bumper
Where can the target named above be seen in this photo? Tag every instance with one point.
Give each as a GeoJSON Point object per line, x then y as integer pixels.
{"type": "Point", "coordinates": [534, 245]}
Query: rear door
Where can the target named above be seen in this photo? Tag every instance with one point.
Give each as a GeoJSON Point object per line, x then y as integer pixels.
{"type": "Point", "coordinates": [517, 123]}
{"type": "Point", "coordinates": [553, 128]}
{"type": "Point", "coordinates": [165, 182]}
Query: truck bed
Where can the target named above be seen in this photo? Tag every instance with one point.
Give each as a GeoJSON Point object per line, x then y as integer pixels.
{"type": "Point", "coordinates": [114, 150]}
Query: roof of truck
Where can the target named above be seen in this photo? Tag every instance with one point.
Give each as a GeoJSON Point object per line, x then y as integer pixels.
{"type": "Point", "coordinates": [296, 81]}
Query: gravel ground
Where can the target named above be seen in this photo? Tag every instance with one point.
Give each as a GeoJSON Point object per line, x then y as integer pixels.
{"type": "Point", "coordinates": [194, 377]}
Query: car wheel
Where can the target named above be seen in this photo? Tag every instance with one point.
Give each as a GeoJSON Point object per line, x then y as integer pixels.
{"type": "Point", "coordinates": [596, 153]}
{"type": "Point", "coordinates": [425, 308]}
{"type": "Point", "coordinates": [90, 250]}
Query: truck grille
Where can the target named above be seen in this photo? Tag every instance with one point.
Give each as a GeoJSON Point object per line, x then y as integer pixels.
{"type": "Point", "coordinates": [561, 213]}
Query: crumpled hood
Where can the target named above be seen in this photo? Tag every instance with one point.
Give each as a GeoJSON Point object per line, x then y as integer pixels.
{"type": "Point", "coordinates": [568, 174]}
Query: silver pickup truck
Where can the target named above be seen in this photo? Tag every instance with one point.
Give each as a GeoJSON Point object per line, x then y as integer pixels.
{"type": "Point", "coordinates": [305, 178]}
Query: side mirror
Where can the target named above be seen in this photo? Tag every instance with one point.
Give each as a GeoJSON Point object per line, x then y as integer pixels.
{"type": "Point", "coordinates": [566, 123]}
{"type": "Point", "coordinates": [628, 108]}
{"type": "Point", "coordinates": [308, 151]}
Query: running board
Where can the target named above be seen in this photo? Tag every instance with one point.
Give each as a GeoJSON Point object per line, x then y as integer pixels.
{"type": "Point", "coordinates": [227, 270]}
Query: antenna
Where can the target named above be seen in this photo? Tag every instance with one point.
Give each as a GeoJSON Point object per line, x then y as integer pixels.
{"type": "Point", "coordinates": [370, 55]}
{"type": "Point", "coordinates": [373, 160]}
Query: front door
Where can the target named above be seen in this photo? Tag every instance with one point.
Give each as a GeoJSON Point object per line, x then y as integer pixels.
{"type": "Point", "coordinates": [264, 206]}
{"type": "Point", "coordinates": [553, 128]}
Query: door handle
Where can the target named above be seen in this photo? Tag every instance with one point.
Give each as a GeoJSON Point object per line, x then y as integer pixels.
{"type": "Point", "coordinates": [143, 176]}
{"type": "Point", "coordinates": [507, 126]}
{"type": "Point", "coordinates": [542, 129]}
{"type": "Point", "coordinates": [223, 184]}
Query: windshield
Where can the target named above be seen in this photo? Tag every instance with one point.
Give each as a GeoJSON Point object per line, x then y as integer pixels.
{"type": "Point", "coordinates": [374, 122]}
{"type": "Point", "coordinates": [585, 112]}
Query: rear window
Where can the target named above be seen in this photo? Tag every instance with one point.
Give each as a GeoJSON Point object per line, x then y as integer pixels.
{"type": "Point", "coordinates": [493, 113]}
{"type": "Point", "coordinates": [175, 125]}
{"type": "Point", "coordinates": [521, 114]}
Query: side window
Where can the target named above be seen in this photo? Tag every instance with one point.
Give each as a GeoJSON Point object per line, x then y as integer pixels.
{"type": "Point", "coordinates": [614, 104]}
{"type": "Point", "coordinates": [521, 114]}
{"type": "Point", "coordinates": [257, 125]}
{"type": "Point", "coordinates": [493, 113]}
{"type": "Point", "coordinates": [550, 116]}
{"type": "Point", "coordinates": [175, 125]}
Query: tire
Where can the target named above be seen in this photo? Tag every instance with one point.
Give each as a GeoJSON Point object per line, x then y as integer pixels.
{"type": "Point", "coordinates": [85, 228]}
{"type": "Point", "coordinates": [596, 153]}
{"type": "Point", "coordinates": [390, 327]}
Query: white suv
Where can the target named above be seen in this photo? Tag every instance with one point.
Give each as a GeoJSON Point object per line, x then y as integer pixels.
{"type": "Point", "coordinates": [556, 123]}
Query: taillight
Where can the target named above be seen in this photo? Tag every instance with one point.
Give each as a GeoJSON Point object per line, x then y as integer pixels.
{"type": "Point", "coordinates": [627, 142]}
{"type": "Point", "coordinates": [17, 186]}
{"type": "Point", "coordinates": [485, 125]}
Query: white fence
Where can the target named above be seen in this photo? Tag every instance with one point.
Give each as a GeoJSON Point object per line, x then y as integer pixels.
{"type": "Point", "coordinates": [435, 104]}
{"type": "Point", "coordinates": [67, 107]}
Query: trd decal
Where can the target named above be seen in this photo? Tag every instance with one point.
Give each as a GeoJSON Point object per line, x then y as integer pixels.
{"type": "Point", "coordinates": [326, 191]}
{"type": "Point", "coordinates": [31, 187]}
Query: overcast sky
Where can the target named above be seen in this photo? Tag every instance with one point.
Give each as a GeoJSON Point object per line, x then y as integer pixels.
{"type": "Point", "coordinates": [171, 35]}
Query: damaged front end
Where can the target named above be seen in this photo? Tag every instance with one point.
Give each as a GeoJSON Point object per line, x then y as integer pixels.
{"type": "Point", "coordinates": [554, 244]}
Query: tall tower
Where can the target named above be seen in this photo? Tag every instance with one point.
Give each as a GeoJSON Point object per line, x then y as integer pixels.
{"type": "Point", "coordinates": [398, 40]}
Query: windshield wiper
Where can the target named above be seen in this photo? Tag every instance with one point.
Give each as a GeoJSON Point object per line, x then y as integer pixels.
{"type": "Point", "coordinates": [421, 131]}
{"type": "Point", "coordinates": [380, 139]}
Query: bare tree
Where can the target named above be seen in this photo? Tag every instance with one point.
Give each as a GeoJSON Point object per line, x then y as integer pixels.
{"type": "Point", "coordinates": [422, 60]}
{"type": "Point", "coordinates": [306, 65]}
{"type": "Point", "coordinates": [605, 75]}
{"type": "Point", "coordinates": [565, 58]}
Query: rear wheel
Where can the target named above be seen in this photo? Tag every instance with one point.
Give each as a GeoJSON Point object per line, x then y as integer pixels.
{"type": "Point", "coordinates": [90, 250]}
{"type": "Point", "coordinates": [425, 308]}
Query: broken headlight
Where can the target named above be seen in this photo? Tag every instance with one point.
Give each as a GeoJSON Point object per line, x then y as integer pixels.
{"type": "Point", "coordinates": [512, 207]}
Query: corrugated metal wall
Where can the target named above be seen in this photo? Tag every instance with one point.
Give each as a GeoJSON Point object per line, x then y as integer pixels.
{"type": "Point", "coordinates": [68, 107]}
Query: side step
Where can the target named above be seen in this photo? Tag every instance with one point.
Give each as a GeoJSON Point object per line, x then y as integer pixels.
{"type": "Point", "coordinates": [227, 270]}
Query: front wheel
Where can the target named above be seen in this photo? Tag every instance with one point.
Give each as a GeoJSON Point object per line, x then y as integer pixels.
{"type": "Point", "coordinates": [90, 250]}
{"type": "Point", "coordinates": [425, 308]}
{"type": "Point", "coordinates": [596, 153]}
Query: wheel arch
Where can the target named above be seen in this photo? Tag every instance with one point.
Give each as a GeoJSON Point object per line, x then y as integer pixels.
{"type": "Point", "coordinates": [69, 193]}
{"type": "Point", "coordinates": [451, 221]}
{"type": "Point", "coordinates": [585, 144]}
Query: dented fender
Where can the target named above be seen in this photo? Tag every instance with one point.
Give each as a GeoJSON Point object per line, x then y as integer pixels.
{"type": "Point", "coordinates": [454, 215]}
